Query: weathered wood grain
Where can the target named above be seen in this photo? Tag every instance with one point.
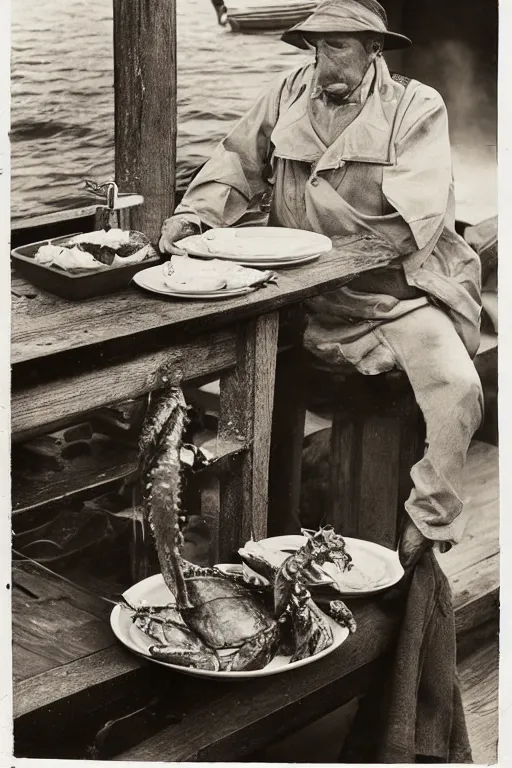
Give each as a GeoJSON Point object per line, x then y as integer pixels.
{"type": "Point", "coordinates": [124, 202]}
{"type": "Point", "coordinates": [412, 448]}
{"type": "Point", "coordinates": [145, 107]}
{"type": "Point", "coordinates": [246, 404]}
{"type": "Point", "coordinates": [47, 587]}
{"type": "Point", "coordinates": [27, 664]}
{"type": "Point", "coordinates": [79, 479]}
{"type": "Point", "coordinates": [88, 476]}
{"type": "Point", "coordinates": [56, 629]}
{"type": "Point", "coordinates": [46, 326]}
{"type": "Point", "coordinates": [479, 678]}
{"type": "Point", "coordinates": [107, 667]}
{"type": "Point", "coordinates": [47, 403]}
{"type": "Point", "coordinates": [344, 463]}
{"type": "Point", "coordinates": [379, 478]}
{"type": "Point", "coordinates": [216, 729]}
{"type": "Point", "coordinates": [473, 566]}
{"type": "Point", "coordinates": [481, 487]}
{"type": "Point", "coordinates": [288, 429]}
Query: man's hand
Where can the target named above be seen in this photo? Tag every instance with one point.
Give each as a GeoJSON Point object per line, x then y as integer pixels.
{"type": "Point", "coordinates": [412, 545]}
{"type": "Point", "coordinates": [174, 229]}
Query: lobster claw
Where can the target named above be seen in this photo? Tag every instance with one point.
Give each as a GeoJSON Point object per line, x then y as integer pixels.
{"type": "Point", "coordinates": [284, 586]}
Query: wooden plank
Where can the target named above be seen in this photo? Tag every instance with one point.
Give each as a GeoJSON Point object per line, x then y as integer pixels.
{"type": "Point", "coordinates": [88, 476]}
{"type": "Point", "coordinates": [114, 666]}
{"type": "Point", "coordinates": [56, 629]}
{"type": "Point", "coordinates": [70, 214]}
{"type": "Point", "coordinates": [481, 489]}
{"type": "Point", "coordinates": [473, 566]}
{"type": "Point", "coordinates": [476, 593]}
{"type": "Point", "coordinates": [412, 448]}
{"type": "Point", "coordinates": [299, 713]}
{"type": "Point", "coordinates": [483, 608]}
{"type": "Point", "coordinates": [477, 579]}
{"type": "Point", "coordinates": [479, 679]}
{"type": "Point", "coordinates": [47, 587]}
{"type": "Point", "coordinates": [246, 403]}
{"type": "Point", "coordinates": [288, 424]}
{"type": "Point", "coordinates": [344, 463]}
{"type": "Point", "coordinates": [55, 217]}
{"type": "Point", "coordinates": [379, 477]}
{"type": "Point", "coordinates": [80, 478]}
{"type": "Point", "coordinates": [53, 622]}
{"type": "Point", "coordinates": [145, 107]}
{"type": "Point", "coordinates": [110, 666]}
{"type": "Point", "coordinates": [37, 406]}
{"type": "Point", "coordinates": [217, 728]}
{"type": "Point", "coordinates": [46, 325]}
{"type": "Point", "coordinates": [27, 664]}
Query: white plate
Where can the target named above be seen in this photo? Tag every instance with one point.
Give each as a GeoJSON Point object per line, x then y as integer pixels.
{"type": "Point", "coordinates": [270, 264]}
{"type": "Point", "coordinates": [378, 563]}
{"type": "Point", "coordinates": [289, 244]}
{"type": "Point", "coordinates": [154, 592]}
{"type": "Point", "coordinates": [152, 279]}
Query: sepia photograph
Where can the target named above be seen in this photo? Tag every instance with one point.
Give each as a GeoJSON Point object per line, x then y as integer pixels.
{"type": "Point", "coordinates": [254, 505]}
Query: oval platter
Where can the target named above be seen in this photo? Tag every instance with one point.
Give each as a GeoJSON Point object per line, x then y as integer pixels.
{"type": "Point", "coordinates": [153, 591]}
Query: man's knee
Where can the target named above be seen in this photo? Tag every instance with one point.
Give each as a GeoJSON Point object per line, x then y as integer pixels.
{"type": "Point", "coordinates": [468, 391]}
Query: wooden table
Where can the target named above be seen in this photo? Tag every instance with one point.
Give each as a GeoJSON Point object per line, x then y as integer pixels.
{"type": "Point", "coordinates": [71, 358]}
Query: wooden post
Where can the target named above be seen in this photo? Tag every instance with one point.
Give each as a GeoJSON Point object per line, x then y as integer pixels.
{"type": "Point", "coordinates": [246, 405]}
{"type": "Point", "coordinates": [288, 428]}
{"type": "Point", "coordinates": [145, 107]}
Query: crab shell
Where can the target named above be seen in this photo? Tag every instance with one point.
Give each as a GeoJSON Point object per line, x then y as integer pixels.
{"type": "Point", "coordinates": [225, 614]}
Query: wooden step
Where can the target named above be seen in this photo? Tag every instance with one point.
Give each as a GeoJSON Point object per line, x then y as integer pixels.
{"type": "Point", "coordinates": [479, 679]}
{"type": "Point", "coordinates": [108, 463]}
{"type": "Point", "coordinates": [473, 565]}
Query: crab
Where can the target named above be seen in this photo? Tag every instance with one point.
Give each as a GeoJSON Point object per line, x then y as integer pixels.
{"type": "Point", "coordinates": [217, 622]}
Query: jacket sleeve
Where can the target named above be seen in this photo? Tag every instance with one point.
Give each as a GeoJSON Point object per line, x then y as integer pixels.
{"type": "Point", "coordinates": [419, 183]}
{"type": "Point", "coordinates": [229, 188]}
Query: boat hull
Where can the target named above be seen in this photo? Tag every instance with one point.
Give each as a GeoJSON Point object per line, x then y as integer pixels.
{"type": "Point", "coordinates": [268, 18]}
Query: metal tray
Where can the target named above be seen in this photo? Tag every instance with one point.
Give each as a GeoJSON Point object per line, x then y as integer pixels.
{"type": "Point", "coordinates": [73, 287]}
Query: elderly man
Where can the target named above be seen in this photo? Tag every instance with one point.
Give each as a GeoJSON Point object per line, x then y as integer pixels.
{"type": "Point", "coordinates": [342, 147]}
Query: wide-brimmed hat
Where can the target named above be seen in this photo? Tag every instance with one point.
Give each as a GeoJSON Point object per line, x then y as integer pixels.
{"type": "Point", "coordinates": [346, 16]}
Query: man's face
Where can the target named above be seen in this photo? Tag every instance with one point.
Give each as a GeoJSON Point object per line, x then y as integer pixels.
{"type": "Point", "coordinates": [342, 61]}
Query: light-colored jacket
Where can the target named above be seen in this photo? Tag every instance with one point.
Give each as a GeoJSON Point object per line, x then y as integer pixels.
{"type": "Point", "coordinates": [389, 173]}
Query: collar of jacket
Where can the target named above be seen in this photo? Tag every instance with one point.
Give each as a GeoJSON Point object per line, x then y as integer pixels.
{"type": "Point", "coordinates": [368, 139]}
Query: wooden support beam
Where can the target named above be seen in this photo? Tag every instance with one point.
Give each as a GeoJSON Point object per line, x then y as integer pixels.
{"type": "Point", "coordinates": [288, 428]}
{"type": "Point", "coordinates": [42, 406]}
{"type": "Point", "coordinates": [145, 107]}
{"type": "Point", "coordinates": [246, 404]}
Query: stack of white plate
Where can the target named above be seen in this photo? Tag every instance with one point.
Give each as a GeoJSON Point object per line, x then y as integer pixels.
{"type": "Point", "coordinates": [263, 247]}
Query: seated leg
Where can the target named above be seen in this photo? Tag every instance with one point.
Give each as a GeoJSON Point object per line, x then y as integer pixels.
{"type": "Point", "coordinates": [448, 391]}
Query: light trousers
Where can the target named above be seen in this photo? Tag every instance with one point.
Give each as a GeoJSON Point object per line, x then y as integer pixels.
{"type": "Point", "coordinates": [425, 345]}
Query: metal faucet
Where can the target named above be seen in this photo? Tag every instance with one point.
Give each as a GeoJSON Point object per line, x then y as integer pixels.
{"type": "Point", "coordinates": [107, 191]}
{"type": "Point", "coordinates": [112, 200]}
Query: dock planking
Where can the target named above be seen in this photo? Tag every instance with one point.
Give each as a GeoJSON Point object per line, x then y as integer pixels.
{"type": "Point", "coordinates": [479, 679]}
{"type": "Point", "coordinates": [473, 567]}
{"type": "Point", "coordinates": [53, 623]}
{"type": "Point", "coordinates": [89, 657]}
